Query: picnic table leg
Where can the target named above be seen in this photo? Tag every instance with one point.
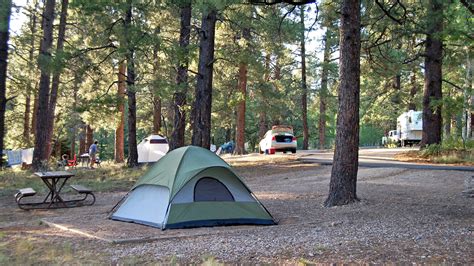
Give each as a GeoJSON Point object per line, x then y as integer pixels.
{"type": "Point", "coordinates": [51, 189]}
{"type": "Point", "coordinates": [57, 198]}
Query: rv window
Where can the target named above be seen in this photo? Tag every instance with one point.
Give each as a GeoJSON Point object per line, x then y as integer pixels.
{"type": "Point", "coordinates": [158, 141]}
{"type": "Point", "coordinates": [211, 189]}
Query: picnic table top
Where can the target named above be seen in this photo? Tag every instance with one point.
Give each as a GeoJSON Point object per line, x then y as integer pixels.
{"type": "Point", "coordinates": [54, 174]}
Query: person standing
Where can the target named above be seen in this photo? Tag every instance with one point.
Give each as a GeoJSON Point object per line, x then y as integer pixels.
{"type": "Point", "coordinates": [93, 149]}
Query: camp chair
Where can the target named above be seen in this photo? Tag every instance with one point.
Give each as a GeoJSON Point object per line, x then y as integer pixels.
{"type": "Point", "coordinates": [73, 162]}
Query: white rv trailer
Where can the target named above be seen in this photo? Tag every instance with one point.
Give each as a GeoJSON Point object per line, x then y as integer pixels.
{"type": "Point", "coordinates": [410, 127]}
{"type": "Point", "coordinates": [409, 130]}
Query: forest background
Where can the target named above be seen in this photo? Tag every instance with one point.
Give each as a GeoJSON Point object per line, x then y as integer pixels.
{"type": "Point", "coordinates": [267, 70]}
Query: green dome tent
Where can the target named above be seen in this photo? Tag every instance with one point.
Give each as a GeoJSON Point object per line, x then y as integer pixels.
{"type": "Point", "coordinates": [191, 187]}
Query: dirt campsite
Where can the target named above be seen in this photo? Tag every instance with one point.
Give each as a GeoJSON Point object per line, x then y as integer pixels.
{"type": "Point", "coordinates": [404, 215]}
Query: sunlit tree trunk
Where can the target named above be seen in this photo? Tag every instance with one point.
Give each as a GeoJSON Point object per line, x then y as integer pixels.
{"type": "Point", "coordinates": [44, 63]}
{"type": "Point", "coordinates": [342, 187]}
{"type": "Point", "coordinates": [179, 97]}
{"type": "Point", "coordinates": [56, 76]}
{"type": "Point", "coordinates": [119, 155]}
{"type": "Point", "coordinates": [82, 139]}
{"type": "Point", "coordinates": [240, 132]}
{"type": "Point", "coordinates": [5, 12]}
{"type": "Point", "coordinates": [89, 137]}
{"type": "Point", "coordinates": [203, 93]}
{"type": "Point", "coordinates": [242, 88]}
{"type": "Point", "coordinates": [432, 121]}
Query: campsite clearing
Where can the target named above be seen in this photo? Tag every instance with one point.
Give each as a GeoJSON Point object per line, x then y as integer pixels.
{"type": "Point", "coordinates": [404, 215]}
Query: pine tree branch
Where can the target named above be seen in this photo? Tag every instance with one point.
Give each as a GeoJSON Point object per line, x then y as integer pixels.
{"type": "Point", "coordinates": [452, 84]}
{"type": "Point", "coordinates": [469, 6]}
{"type": "Point", "coordinates": [387, 12]}
{"type": "Point", "coordinates": [272, 2]}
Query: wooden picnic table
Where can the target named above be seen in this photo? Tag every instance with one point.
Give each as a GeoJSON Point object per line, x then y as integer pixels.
{"type": "Point", "coordinates": [55, 181]}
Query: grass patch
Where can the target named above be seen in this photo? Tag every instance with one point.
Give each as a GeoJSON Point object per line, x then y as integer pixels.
{"type": "Point", "coordinates": [108, 178]}
{"type": "Point", "coordinates": [31, 251]}
{"type": "Point", "coordinates": [209, 260]}
{"type": "Point", "coordinates": [449, 152]}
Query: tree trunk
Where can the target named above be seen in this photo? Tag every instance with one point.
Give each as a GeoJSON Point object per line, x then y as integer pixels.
{"type": "Point", "coordinates": [5, 12]}
{"type": "Point", "coordinates": [35, 110]}
{"type": "Point", "coordinates": [323, 93]}
{"type": "Point", "coordinates": [467, 100]}
{"type": "Point", "coordinates": [179, 97]}
{"type": "Point", "coordinates": [432, 121]}
{"type": "Point", "coordinates": [397, 87]}
{"type": "Point", "coordinates": [262, 116]}
{"type": "Point", "coordinates": [132, 160]}
{"type": "Point", "coordinates": [89, 137]}
{"type": "Point", "coordinates": [82, 140]}
{"type": "Point", "coordinates": [156, 114]}
{"type": "Point", "coordinates": [156, 97]}
{"type": "Point", "coordinates": [119, 155]}
{"type": "Point", "coordinates": [31, 72]}
{"type": "Point", "coordinates": [44, 63]}
{"type": "Point", "coordinates": [56, 77]}
{"type": "Point", "coordinates": [74, 108]}
{"type": "Point", "coordinates": [240, 132]}
{"type": "Point", "coordinates": [203, 93]}
{"type": "Point", "coordinates": [342, 187]}
{"type": "Point", "coordinates": [304, 88]}
{"type": "Point", "coordinates": [413, 91]}
{"type": "Point", "coordinates": [242, 88]}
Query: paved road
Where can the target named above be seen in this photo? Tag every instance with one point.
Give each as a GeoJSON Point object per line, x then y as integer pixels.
{"type": "Point", "coordinates": [377, 157]}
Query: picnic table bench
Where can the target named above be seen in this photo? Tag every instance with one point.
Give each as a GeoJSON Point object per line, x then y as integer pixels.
{"type": "Point", "coordinates": [55, 181]}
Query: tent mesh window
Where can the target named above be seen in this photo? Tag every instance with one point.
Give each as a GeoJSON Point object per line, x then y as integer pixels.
{"type": "Point", "coordinates": [158, 141]}
{"type": "Point", "coordinates": [211, 189]}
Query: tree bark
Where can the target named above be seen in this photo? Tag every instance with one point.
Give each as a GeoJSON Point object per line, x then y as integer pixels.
{"type": "Point", "coordinates": [179, 97]}
{"type": "Point", "coordinates": [240, 132]}
{"type": "Point", "coordinates": [27, 115]}
{"type": "Point", "coordinates": [304, 88]}
{"type": "Point", "coordinates": [35, 110]}
{"type": "Point", "coordinates": [74, 108]}
{"type": "Point", "coordinates": [156, 97]}
{"type": "Point", "coordinates": [89, 137]}
{"type": "Point", "coordinates": [44, 62]}
{"type": "Point", "coordinates": [132, 160]}
{"type": "Point", "coordinates": [413, 91]}
{"type": "Point", "coordinates": [242, 88]}
{"type": "Point", "coordinates": [262, 116]}
{"type": "Point", "coordinates": [203, 93]}
{"type": "Point", "coordinates": [56, 76]}
{"type": "Point", "coordinates": [323, 93]}
{"type": "Point", "coordinates": [467, 99]}
{"type": "Point", "coordinates": [119, 155]}
{"type": "Point", "coordinates": [5, 12]}
{"type": "Point", "coordinates": [432, 121]}
{"type": "Point", "coordinates": [82, 140]}
{"type": "Point", "coordinates": [342, 187]}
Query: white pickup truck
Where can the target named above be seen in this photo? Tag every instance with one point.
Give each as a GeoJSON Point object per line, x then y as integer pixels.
{"type": "Point", "coordinates": [408, 132]}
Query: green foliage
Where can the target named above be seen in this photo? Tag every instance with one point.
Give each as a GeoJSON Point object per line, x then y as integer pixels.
{"type": "Point", "coordinates": [98, 41]}
{"type": "Point", "coordinates": [370, 135]}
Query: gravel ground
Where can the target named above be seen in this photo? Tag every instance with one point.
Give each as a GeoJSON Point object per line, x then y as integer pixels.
{"type": "Point", "coordinates": [404, 216]}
